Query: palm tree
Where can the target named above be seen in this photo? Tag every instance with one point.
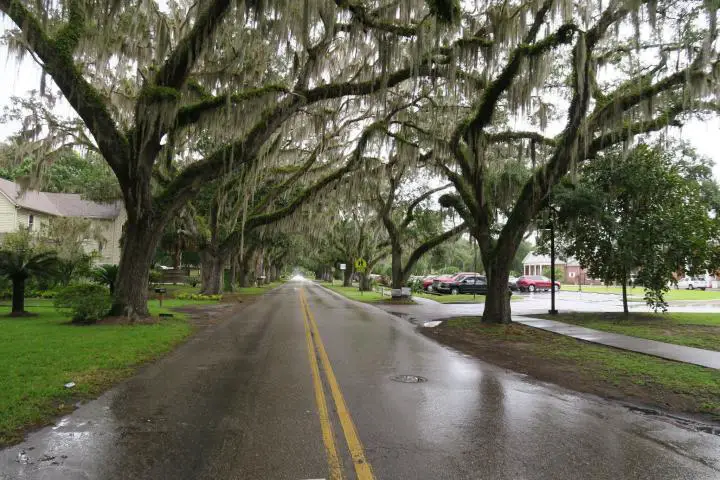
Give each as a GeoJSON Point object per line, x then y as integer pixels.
{"type": "Point", "coordinates": [19, 265]}
{"type": "Point", "coordinates": [106, 275]}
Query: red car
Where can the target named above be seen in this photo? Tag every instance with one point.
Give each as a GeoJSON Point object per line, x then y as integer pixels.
{"type": "Point", "coordinates": [532, 283]}
{"type": "Point", "coordinates": [427, 282]}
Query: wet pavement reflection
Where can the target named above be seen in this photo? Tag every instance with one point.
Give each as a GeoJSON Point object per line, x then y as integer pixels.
{"type": "Point", "coordinates": [236, 402]}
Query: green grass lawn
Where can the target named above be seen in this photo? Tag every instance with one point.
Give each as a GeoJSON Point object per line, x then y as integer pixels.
{"type": "Point", "coordinates": [673, 294]}
{"type": "Point", "coordinates": [40, 354]}
{"type": "Point", "coordinates": [621, 368]}
{"type": "Point", "coordinates": [463, 298]}
{"type": "Point", "coordinates": [701, 330]}
{"type": "Point", "coordinates": [452, 298]}
{"type": "Point", "coordinates": [353, 293]}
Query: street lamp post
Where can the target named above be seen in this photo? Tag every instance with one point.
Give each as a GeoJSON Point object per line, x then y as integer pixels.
{"type": "Point", "coordinates": [552, 310]}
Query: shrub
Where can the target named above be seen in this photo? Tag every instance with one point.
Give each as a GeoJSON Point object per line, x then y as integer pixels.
{"type": "Point", "coordinates": [197, 296]}
{"type": "Point", "coordinates": [84, 303]}
{"type": "Point", "coordinates": [194, 281]}
{"type": "Point", "coordinates": [155, 276]}
{"type": "Point", "coordinates": [48, 294]}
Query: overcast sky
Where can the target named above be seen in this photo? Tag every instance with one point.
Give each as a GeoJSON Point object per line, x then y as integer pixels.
{"type": "Point", "coordinates": [18, 78]}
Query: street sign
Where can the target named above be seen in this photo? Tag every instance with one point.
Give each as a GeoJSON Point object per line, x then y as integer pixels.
{"type": "Point", "coordinates": [360, 265]}
{"type": "Point", "coordinates": [342, 266]}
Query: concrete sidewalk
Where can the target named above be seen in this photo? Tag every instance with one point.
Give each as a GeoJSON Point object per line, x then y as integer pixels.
{"type": "Point", "coordinates": [696, 356]}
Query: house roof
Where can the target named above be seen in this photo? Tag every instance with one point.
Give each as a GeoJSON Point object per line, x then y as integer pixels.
{"type": "Point", "coordinates": [58, 204]}
{"type": "Point", "coordinates": [533, 258]}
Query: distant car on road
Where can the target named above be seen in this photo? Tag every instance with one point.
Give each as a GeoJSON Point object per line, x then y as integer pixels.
{"type": "Point", "coordinates": [533, 283]}
{"type": "Point", "coordinates": [691, 283]}
{"type": "Point", "coordinates": [512, 283]}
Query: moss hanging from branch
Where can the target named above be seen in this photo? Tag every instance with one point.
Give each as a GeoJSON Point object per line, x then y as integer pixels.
{"type": "Point", "coordinates": [446, 11]}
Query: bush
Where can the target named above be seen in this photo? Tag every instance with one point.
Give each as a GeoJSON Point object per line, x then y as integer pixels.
{"type": "Point", "coordinates": [155, 276]}
{"type": "Point", "coordinates": [85, 303]}
{"type": "Point", "coordinates": [197, 296]}
{"type": "Point", "coordinates": [194, 281]}
{"type": "Point", "coordinates": [48, 294]}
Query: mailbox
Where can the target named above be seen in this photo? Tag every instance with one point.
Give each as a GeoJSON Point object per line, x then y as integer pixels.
{"type": "Point", "coordinates": [160, 290]}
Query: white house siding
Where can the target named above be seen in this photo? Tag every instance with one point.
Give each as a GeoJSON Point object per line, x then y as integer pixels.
{"type": "Point", "coordinates": [111, 230]}
{"type": "Point", "coordinates": [8, 215]}
{"type": "Point", "coordinates": [40, 220]}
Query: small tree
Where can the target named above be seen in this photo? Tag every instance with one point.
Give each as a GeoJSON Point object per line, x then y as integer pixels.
{"type": "Point", "coordinates": [637, 212]}
{"type": "Point", "coordinates": [21, 259]}
{"type": "Point", "coordinates": [106, 275]}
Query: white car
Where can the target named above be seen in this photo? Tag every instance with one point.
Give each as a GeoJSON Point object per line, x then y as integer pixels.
{"type": "Point", "coordinates": [691, 283]}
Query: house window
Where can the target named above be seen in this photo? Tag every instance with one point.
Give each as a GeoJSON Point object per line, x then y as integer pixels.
{"type": "Point", "coordinates": [31, 222]}
{"type": "Point", "coordinates": [571, 274]}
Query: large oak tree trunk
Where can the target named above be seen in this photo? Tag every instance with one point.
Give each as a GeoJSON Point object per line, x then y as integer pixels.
{"type": "Point", "coordinates": [365, 281]}
{"type": "Point", "coordinates": [18, 295]}
{"type": "Point", "coordinates": [140, 239]}
{"type": "Point", "coordinates": [497, 302]}
{"type": "Point", "coordinates": [212, 270]}
{"type": "Point", "coordinates": [233, 273]}
{"type": "Point", "coordinates": [397, 269]}
{"type": "Point", "coordinates": [347, 275]}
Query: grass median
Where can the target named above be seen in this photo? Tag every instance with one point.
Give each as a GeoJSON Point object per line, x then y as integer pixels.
{"type": "Point", "coordinates": [700, 330]}
{"type": "Point", "coordinates": [585, 367]}
{"type": "Point", "coordinates": [40, 354]}
{"type": "Point", "coordinates": [638, 293]}
{"type": "Point", "coordinates": [354, 293]}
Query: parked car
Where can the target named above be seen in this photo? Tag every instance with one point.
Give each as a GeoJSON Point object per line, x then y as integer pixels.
{"type": "Point", "coordinates": [532, 283]}
{"type": "Point", "coordinates": [691, 283]}
{"type": "Point", "coordinates": [446, 279]}
{"type": "Point", "coordinates": [512, 283]}
{"type": "Point", "coordinates": [427, 283]}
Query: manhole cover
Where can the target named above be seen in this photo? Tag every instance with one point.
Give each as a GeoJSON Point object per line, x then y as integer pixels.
{"type": "Point", "coordinates": [408, 379]}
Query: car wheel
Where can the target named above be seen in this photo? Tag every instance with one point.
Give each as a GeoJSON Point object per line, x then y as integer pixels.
{"type": "Point", "coordinates": [531, 288]}
{"type": "Point", "coordinates": [691, 287]}
{"type": "Point", "coordinates": [429, 288]}
{"type": "Point", "coordinates": [556, 288]}
{"type": "Point", "coordinates": [454, 291]}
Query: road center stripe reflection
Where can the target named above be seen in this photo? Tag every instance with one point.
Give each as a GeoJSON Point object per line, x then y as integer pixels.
{"type": "Point", "coordinates": [363, 470]}
{"type": "Point", "coordinates": [336, 472]}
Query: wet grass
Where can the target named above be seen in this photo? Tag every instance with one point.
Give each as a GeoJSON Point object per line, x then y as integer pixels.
{"type": "Point", "coordinates": [657, 379]}
{"type": "Point", "coordinates": [353, 293]}
{"type": "Point", "coordinates": [700, 330]}
{"type": "Point", "coordinates": [452, 298]}
{"type": "Point", "coordinates": [639, 293]}
{"type": "Point", "coordinates": [462, 298]}
{"type": "Point", "coordinates": [42, 353]}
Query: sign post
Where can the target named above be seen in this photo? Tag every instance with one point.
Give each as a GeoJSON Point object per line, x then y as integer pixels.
{"type": "Point", "coordinates": [360, 267]}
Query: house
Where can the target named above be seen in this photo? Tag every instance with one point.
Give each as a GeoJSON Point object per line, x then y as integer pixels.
{"type": "Point", "coordinates": [34, 210]}
{"type": "Point", "coordinates": [534, 264]}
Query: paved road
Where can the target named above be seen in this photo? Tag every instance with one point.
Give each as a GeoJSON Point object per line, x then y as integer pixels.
{"type": "Point", "coordinates": [244, 400]}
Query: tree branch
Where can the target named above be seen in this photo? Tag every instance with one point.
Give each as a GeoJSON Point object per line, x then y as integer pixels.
{"type": "Point", "coordinates": [85, 99]}
{"type": "Point", "coordinates": [177, 67]}
{"type": "Point", "coordinates": [409, 215]}
{"type": "Point", "coordinates": [429, 245]}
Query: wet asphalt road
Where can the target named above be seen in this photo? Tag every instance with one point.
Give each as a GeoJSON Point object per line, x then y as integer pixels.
{"type": "Point", "coordinates": [239, 402]}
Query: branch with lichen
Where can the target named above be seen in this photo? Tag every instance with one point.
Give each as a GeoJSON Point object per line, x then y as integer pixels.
{"type": "Point", "coordinates": [58, 62]}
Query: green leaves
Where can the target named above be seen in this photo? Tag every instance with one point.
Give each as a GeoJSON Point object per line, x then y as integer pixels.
{"type": "Point", "coordinates": [643, 212]}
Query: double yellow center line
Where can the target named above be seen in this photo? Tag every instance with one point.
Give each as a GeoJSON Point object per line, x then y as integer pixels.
{"type": "Point", "coordinates": [316, 349]}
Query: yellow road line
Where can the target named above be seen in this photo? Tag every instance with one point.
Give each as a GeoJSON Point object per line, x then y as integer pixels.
{"type": "Point", "coordinates": [363, 470]}
{"type": "Point", "coordinates": [336, 471]}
